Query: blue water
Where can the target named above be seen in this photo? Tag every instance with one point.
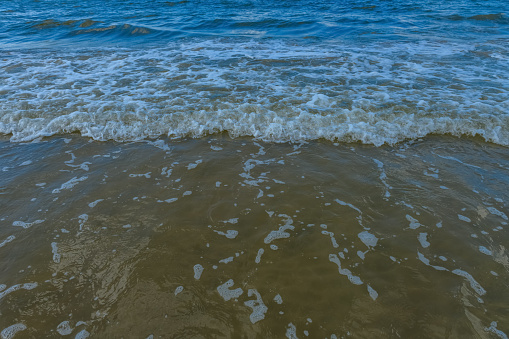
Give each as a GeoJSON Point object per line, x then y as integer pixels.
{"type": "Point", "coordinates": [49, 23]}
{"type": "Point", "coordinates": [377, 72]}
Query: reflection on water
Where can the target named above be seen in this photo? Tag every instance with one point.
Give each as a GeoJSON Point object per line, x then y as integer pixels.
{"type": "Point", "coordinates": [216, 237]}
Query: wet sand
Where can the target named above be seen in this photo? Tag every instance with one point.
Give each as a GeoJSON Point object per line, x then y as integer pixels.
{"type": "Point", "coordinates": [237, 238]}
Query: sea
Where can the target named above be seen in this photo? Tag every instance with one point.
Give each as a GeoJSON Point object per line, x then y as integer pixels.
{"type": "Point", "coordinates": [254, 169]}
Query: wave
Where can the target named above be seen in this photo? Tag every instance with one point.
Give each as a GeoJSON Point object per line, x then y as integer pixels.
{"type": "Point", "coordinates": [91, 30]}
{"type": "Point", "coordinates": [498, 18]}
{"type": "Point", "coordinates": [375, 94]}
{"type": "Point", "coordinates": [116, 30]}
{"type": "Point", "coordinates": [50, 23]}
{"type": "Point", "coordinates": [345, 126]}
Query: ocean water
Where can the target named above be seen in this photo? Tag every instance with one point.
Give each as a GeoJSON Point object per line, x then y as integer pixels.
{"type": "Point", "coordinates": [254, 169]}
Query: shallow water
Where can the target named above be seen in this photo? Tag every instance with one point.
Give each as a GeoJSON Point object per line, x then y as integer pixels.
{"type": "Point", "coordinates": [219, 237]}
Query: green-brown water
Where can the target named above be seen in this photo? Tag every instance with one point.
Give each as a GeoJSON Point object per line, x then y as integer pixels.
{"type": "Point", "coordinates": [237, 238]}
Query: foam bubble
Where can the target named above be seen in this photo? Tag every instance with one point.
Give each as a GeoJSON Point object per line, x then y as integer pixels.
{"type": "Point", "coordinates": [414, 223]}
{"type": "Point", "coordinates": [70, 184]}
{"type": "Point", "coordinates": [494, 211]}
{"type": "Point", "coordinates": [7, 240]}
{"type": "Point", "coordinates": [94, 203]}
{"type": "Point", "coordinates": [257, 305]}
{"type": "Point", "coordinates": [9, 332]}
{"type": "Point", "coordinates": [332, 238]}
{"type": "Point", "coordinates": [259, 255]}
{"type": "Point", "coordinates": [484, 250]}
{"type": "Point", "coordinates": [64, 328]}
{"type": "Point", "coordinates": [473, 283]}
{"type": "Point", "coordinates": [26, 224]}
{"type": "Point", "coordinates": [226, 260]}
{"type": "Point", "coordinates": [54, 250]}
{"type": "Point", "coordinates": [344, 271]}
{"type": "Point", "coordinates": [179, 289]}
{"type": "Point", "coordinates": [426, 261]}
{"type": "Point", "coordinates": [493, 329]}
{"type": "Point", "coordinates": [423, 240]}
{"type": "Point", "coordinates": [25, 286]}
{"type": "Point", "coordinates": [368, 239]}
{"type": "Point", "coordinates": [227, 293]}
{"type": "Point", "coordinates": [291, 331]}
{"type": "Point", "coordinates": [83, 334]}
{"type": "Point", "coordinates": [230, 234]}
{"type": "Point", "coordinates": [278, 299]}
{"type": "Point", "coordinates": [198, 270]}
{"type": "Point", "coordinates": [463, 218]}
{"type": "Point", "coordinates": [372, 293]}
{"type": "Point", "coordinates": [281, 232]}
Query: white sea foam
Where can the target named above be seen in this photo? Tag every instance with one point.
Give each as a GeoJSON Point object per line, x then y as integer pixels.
{"type": "Point", "coordinates": [344, 271]}
{"type": "Point", "coordinates": [383, 178]}
{"type": "Point", "coordinates": [332, 238]}
{"type": "Point", "coordinates": [230, 234]}
{"type": "Point", "coordinates": [83, 334]}
{"type": "Point", "coordinates": [493, 329]}
{"type": "Point", "coordinates": [259, 255]}
{"type": "Point", "coordinates": [281, 233]}
{"type": "Point", "coordinates": [64, 328]}
{"type": "Point", "coordinates": [278, 299]}
{"type": "Point", "coordinates": [226, 260]}
{"type": "Point", "coordinates": [291, 331]}
{"type": "Point", "coordinates": [494, 211]}
{"type": "Point", "coordinates": [70, 184]}
{"type": "Point", "coordinates": [414, 223]}
{"type": "Point", "coordinates": [7, 240]}
{"type": "Point", "coordinates": [423, 240]}
{"type": "Point", "coordinates": [463, 218]}
{"type": "Point", "coordinates": [194, 164]}
{"type": "Point", "coordinates": [54, 250]}
{"type": "Point", "coordinates": [405, 92]}
{"type": "Point", "coordinates": [368, 239]}
{"type": "Point", "coordinates": [198, 270]}
{"type": "Point", "coordinates": [82, 219]}
{"type": "Point", "coordinates": [227, 293]}
{"type": "Point", "coordinates": [9, 332]}
{"type": "Point", "coordinates": [94, 203]}
{"type": "Point", "coordinates": [26, 224]}
{"type": "Point", "coordinates": [473, 283]}
{"type": "Point", "coordinates": [26, 286]}
{"type": "Point", "coordinates": [484, 250]}
{"type": "Point", "coordinates": [179, 289]}
{"type": "Point", "coordinates": [257, 305]}
{"type": "Point", "coordinates": [372, 293]}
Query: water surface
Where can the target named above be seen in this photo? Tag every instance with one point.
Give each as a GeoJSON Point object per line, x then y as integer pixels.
{"type": "Point", "coordinates": [254, 169]}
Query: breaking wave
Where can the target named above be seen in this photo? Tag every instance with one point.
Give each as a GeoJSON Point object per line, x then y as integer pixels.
{"type": "Point", "coordinates": [275, 91]}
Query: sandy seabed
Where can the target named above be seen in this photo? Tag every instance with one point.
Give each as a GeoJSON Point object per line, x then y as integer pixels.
{"type": "Point", "coordinates": [237, 238]}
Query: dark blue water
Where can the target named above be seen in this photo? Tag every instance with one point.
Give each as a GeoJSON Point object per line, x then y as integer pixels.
{"type": "Point", "coordinates": [49, 23]}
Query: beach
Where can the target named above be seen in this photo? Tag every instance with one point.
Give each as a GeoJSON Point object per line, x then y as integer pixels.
{"type": "Point", "coordinates": [254, 169]}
